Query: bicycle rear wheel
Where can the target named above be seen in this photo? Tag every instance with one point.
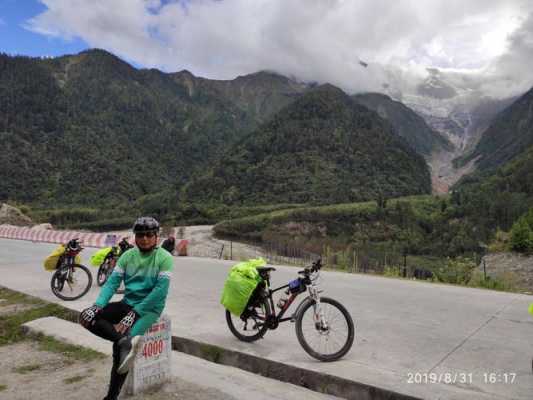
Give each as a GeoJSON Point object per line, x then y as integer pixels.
{"type": "Point", "coordinates": [251, 325]}
{"type": "Point", "coordinates": [330, 341]}
{"type": "Point", "coordinates": [71, 282]}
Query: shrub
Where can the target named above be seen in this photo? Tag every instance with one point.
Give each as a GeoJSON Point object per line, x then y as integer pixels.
{"type": "Point", "coordinates": [522, 233]}
{"type": "Point", "coordinates": [456, 270]}
{"type": "Point", "coordinates": [501, 242]}
{"type": "Point", "coordinates": [504, 282]}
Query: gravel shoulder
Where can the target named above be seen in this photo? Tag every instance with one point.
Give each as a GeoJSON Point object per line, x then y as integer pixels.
{"type": "Point", "coordinates": [30, 373]}
{"type": "Point", "coordinates": [41, 368]}
{"type": "Point", "coordinates": [203, 244]}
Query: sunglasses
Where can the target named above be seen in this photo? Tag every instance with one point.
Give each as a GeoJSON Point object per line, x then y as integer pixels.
{"type": "Point", "coordinates": [140, 235]}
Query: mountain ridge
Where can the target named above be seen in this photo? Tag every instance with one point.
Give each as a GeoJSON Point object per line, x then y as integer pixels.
{"type": "Point", "coordinates": [409, 125]}
{"type": "Point", "coordinates": [321, 148]}
{"type": "Point", "coordinates": [509, 135]}
{"type": "Point", "coordinates": [94, 116]}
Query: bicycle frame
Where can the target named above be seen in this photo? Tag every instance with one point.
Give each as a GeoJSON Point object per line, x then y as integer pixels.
{"type": "Point", "coordinates": [67, 262]}
{"type": "Point", "coordinates": [274, 319]}
{"type": "Point", "coordinates": [69, 259]}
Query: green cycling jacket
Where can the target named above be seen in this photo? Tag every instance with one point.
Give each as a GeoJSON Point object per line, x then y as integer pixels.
{"type": "Point", "coordinates": [146, 279]}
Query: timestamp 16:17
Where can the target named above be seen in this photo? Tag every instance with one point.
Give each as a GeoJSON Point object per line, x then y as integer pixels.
{"type": "Point", "coordinates": [496, 377]}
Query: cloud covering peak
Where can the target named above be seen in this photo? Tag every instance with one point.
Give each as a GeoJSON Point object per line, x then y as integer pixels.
{"type": "Point", "coordinates": [355, 44]}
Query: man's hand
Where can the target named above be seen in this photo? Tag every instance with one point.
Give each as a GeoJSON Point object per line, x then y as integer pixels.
{"type": "Point", "coordinates": [126, 323]}
{"type": "Point", "coordinates": [88, 315]}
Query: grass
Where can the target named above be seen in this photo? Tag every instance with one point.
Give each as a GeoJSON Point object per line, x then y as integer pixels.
{"type": "Point", "coordinates": [11, 326]}
{"type": "Point", "coordinates": [70, 351]}
{"type": "Point", "coordinates": [13, 297]}
{"type": "Point", "coordinates": [3, 387]}
{"type": "Point", "coordinates": [27, 368]}
{"type": "Point", "coordinates": [506, 282]}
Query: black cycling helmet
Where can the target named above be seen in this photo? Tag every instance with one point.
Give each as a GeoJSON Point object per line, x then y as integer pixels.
{"type": "Point", "coordinates": [146, 224]}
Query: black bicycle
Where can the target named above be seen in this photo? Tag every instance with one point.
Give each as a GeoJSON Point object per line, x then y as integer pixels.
{"type": "Point", "coordinates": [324, 327]}
{"type": "Point", "coordinates": [108, 265]}
{"type": "Point", "coordinates": [71, 281]}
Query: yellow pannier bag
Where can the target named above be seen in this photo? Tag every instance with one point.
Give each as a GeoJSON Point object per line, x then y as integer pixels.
{"type": "Point", "coordinates": [240, 285]}
{"type": "Point", "coordinates": [98, 258]}
{"type": "Point", "coordinates": [50, 262]}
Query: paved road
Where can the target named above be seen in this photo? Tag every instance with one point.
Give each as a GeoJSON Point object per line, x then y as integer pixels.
{"type": "Point", "coordinates": [402, 327]}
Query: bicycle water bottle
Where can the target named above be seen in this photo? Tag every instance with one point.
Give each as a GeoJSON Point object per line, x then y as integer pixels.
{"type": "Point", "coordinates": [283, 299]}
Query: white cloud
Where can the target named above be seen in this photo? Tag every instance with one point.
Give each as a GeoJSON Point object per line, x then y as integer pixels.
{"type": "Point", "coordinates": [319, 40]}
{"type": "Point", "coordinates": [511, 72]}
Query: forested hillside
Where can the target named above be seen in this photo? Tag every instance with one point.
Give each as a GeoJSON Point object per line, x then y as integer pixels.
{"type": "Point", "coordinates": [89, 133]}
{"type": "Point", "coordinates": [323, 148]}
{"type": "Point", "coordinates": [496, 200]}
{"type": "Point", "coordinates": [90, 129]}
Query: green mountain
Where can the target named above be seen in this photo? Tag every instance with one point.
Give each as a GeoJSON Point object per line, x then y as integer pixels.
{"type": "Point", "coordinates": [89, 129]}
{"type": "Point", "coordinates": [322, 148]}
{"type": "Point", "coordinates": [406, 122]}
{"type": "Point", "coordinates": [32, 111]}
{"type": "Point", "coordinates": [509, 134]}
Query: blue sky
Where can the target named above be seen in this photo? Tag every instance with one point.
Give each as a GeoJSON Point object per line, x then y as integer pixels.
{"type": "Point", "coordinates": [15, 39]}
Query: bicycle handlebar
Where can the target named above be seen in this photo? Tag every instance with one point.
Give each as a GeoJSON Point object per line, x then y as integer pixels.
{"type": "Point", "coordinates": [315, 267]}
{"type": "Point", "coordinates": [73, 243]}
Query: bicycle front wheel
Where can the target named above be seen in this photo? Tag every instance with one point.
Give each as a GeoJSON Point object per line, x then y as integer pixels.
{"type": "Point", "coordinates": [103, 273]}
{"type": "Point", "coordinates": [326, 340]}
{"type": "Point", "coordinates": [71, 282]}
{"type": "Point", "coordinates": [252, 324]}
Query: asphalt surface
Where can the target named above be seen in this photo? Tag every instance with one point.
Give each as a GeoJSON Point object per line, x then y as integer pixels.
{"type": "Point", "coordinates": [478, 343]}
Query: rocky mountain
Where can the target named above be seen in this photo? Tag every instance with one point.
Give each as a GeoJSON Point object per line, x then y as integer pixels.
{"type": "Point", "coordinates": [454, 106]}
{"type": "Point", "coordinates": [322, 148]}
{"type": "Point", "coordinates": [406, 122]}
{"type": "Point", "coordinates": [509, 135]}
{"type": "Point", "coordinates": [436, 87]}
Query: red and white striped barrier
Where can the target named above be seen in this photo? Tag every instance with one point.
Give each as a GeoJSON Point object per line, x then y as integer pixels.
{"type": "Point", "coordinates": [52, 236]}
{"type": "Point", "coordinates": [87, 238]}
